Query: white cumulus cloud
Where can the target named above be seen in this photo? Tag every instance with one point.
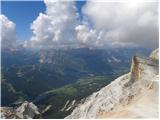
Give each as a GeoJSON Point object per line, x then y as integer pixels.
{"type": "Point", "coordinates": [129, 23]}
{"type": "Point", "coordinates": [125, 23]}
{"type": "Point", "coordinates": [56, 27]}
{"type": "Point", "coordinates": [8, 32]}
{"type": "Point", "coordinates": [88, 37]}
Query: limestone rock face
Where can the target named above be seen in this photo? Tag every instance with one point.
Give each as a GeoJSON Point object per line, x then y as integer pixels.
{"type": "Point", "coordinates": [133, 95]}
{"type": "Point", "coordinates": [7, 113]}
{"type": "Point", "coordinates": [25, 111]}
{"type": "Point", "coordinates": [155, 54]}
{"type": "Point", "coordinates": [144, 68]}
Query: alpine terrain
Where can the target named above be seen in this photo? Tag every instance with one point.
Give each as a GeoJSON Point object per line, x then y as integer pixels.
{"type": "Point", "coordinates": [133, 95]}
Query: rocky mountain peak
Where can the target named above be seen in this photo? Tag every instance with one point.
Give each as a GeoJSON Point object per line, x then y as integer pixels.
{"type": "Point", "coordinates": [26, 110]}
{"type": "Point", "coordinates": [133, 95]}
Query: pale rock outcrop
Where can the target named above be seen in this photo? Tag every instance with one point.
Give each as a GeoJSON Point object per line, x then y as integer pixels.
{"type": "Point", "coordinates": [25, 111]}
{"type": "Point", "coordinates": [7, 113]}
{"type": "Point", "coordinates": [155, 54]}
{"type": "Point", "coordinates": [133, 95]}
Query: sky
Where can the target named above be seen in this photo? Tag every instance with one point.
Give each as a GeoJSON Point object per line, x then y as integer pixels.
{"type": "Point", "coordinates": [23, 13]}
{"type": "Point", "coordinates": [75, 24]}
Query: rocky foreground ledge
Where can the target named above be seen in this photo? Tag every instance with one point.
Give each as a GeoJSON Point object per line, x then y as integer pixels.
{"type": "Point", "coordinates": [24, 111]}
{"type": "Point", "coordinates": [133, 95]}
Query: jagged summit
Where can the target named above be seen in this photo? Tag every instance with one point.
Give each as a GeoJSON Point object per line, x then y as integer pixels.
{"type": "Point", "coordinates": [26, 110]}
{"type": "Point", "coordinates": [133, 95]}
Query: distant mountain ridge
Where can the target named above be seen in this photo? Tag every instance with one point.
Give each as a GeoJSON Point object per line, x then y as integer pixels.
{"type": "Point", "coordinates": [22, 69]}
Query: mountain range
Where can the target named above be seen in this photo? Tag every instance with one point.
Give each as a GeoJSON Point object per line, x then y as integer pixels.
{"type": "Point", "coordinates": [58, 80]}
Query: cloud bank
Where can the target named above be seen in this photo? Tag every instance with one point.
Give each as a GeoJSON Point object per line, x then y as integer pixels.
{"type": "Point", "coordinates": [125, 23]}
{"type": "Point", "coordinates": [8, 32]}
{"type": "Point", "coordinates": [115, 24]}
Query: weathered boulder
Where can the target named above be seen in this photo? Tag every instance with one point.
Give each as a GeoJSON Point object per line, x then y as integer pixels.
{"type": "Point", "coordinates": [155, 54]}
{"type": "Point", "coordinates": [25, 111]}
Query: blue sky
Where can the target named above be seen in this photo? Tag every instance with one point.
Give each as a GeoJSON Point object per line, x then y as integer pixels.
{"type": "Point", "coordinates": [23, 13]}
